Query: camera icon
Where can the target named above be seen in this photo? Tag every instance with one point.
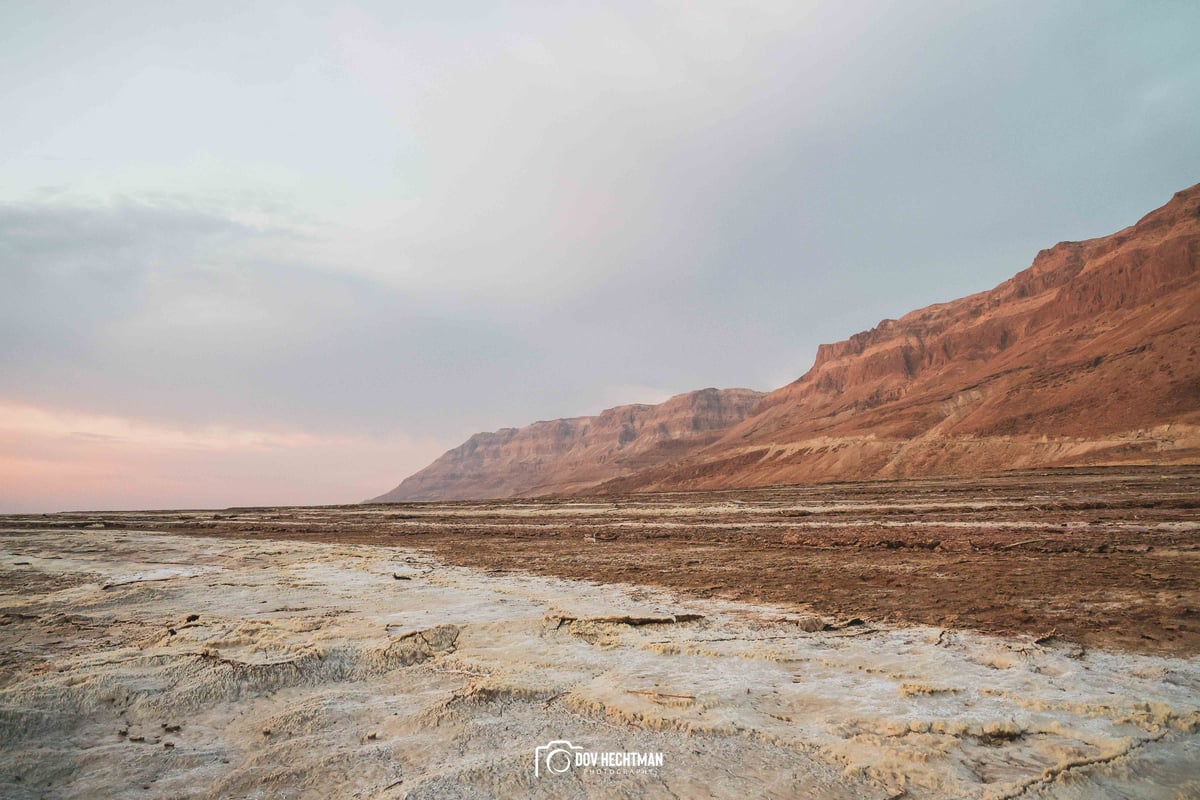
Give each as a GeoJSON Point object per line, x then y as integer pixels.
{"type": "Point", "coordinates": [554, 758]}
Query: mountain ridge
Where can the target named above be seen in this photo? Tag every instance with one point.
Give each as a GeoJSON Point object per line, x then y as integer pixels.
{"type": "Point", "coordinates": [1092, 348]}
{"type": "Point", "coordinates": [576, 453]}
{"type": "Point", "coordinates": [1088, 356]}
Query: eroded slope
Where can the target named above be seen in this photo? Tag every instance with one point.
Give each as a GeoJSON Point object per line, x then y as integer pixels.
{"type": "Point", "coordinates": [1089, 356]}
{"type": "Point", "coordinates": [570, 455]}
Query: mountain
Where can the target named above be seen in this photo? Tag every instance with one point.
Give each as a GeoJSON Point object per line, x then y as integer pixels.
{"type": "Point", "coordinates": [577, 454]}
{"type": "Point", "coordinates": [1087, 357]}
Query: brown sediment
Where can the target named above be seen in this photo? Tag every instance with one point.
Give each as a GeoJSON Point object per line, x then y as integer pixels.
{"type": "Point", "coordinates": [1104, 558]}
{"type": "Point", "coordinates": [256, 662]}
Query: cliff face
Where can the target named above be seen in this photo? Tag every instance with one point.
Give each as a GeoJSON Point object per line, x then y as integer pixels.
{"type": "Point", "coordinates": [1088, 356]}
{"type": "Point", "coordinates": [571, 455]}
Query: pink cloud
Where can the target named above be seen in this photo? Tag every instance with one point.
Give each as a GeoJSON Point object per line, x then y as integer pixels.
{"type": "Point", "coordinates": [52, 459]}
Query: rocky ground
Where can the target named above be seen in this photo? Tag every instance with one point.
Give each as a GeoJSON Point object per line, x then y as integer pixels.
{"type": "Point", "coordinates": [1031, 635]}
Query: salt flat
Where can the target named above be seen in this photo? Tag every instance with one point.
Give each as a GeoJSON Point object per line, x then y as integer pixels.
{"type": "Point", "coordinates": [139, 664]}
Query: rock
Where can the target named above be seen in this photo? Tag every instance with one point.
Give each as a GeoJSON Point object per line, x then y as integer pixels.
{"type": "Point", "coordinates": [580, 452]}
{"type": "Point", "coordinates": [1086, 356]}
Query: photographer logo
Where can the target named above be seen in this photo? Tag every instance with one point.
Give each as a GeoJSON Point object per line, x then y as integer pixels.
{"type": "Point", "coordinates": [560, 756]}
{"type": "Point", "coordinates": [554, 758]}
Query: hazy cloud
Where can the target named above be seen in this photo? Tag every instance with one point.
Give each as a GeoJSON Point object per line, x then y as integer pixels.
{"type": "Point", "coordinates": [403, 222]}
{"type": "Point", "coordinates": [171, 313]}
{"type": "Point", "coordinates": [51, 460]}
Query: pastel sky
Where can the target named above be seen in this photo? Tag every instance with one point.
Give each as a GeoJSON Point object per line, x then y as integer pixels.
{"type": "Point", "coordinates": [267, 253]}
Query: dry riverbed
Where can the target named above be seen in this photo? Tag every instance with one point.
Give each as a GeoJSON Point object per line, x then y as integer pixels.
{"type": "Point", "coordinates": [412, 652]}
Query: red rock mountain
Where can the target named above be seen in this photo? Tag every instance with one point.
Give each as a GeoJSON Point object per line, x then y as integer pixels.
{"type": "Point", "coordinates": [577, 454]}
{"type": "Point", "coordinates": [1087, 357]}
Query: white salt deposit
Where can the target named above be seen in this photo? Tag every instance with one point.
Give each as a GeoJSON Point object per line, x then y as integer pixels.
{"type": "Point", "coordinates": [138, 665]}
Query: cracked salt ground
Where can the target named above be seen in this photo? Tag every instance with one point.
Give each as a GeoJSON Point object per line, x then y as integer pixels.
{"type": "Point", "coordinates": [140, 665]}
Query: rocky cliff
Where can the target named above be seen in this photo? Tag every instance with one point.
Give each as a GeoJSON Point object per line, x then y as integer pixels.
{"type": "Point", "coordinates": [571, 455]}
{"type": "Point", "coordinates": [1089, 356]}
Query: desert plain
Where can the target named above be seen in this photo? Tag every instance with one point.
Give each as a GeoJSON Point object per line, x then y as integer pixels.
{"type": "Point", "coordinates": [1027, 634]}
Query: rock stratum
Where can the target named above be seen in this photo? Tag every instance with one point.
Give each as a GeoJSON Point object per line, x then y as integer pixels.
{"type": "Point", "coordinates": [1087, 357]}
{"type": "Point", "coordinates": [578, 454]}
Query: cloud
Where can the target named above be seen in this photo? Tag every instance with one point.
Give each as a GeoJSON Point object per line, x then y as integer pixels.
{"type": "Point", "coordinates": [175, 313]}
{"type": "Point", "coordinates": [386, 220]}
{"type": "Point", "coordinates": [54, 424]}
{"type": "Point", "coordinates": [553, 151]}
{"type": "Point", "coordinates": [55, 459]}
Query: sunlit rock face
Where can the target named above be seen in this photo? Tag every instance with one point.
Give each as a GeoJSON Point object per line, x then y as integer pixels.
{"type": "Point", "coordinates": [571, 455]}
{"type": "Point", "coordinates": [1087, 357]}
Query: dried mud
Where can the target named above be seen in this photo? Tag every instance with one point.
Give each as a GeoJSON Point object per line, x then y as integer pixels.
{"type": "Point", "coordinates": [1026, 635]}
{"type": "Point", "coordinates": [1102, 557]}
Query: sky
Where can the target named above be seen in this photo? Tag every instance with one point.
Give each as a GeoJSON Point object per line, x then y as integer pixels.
{"type": "Point", "coordinates": [288, 253]}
